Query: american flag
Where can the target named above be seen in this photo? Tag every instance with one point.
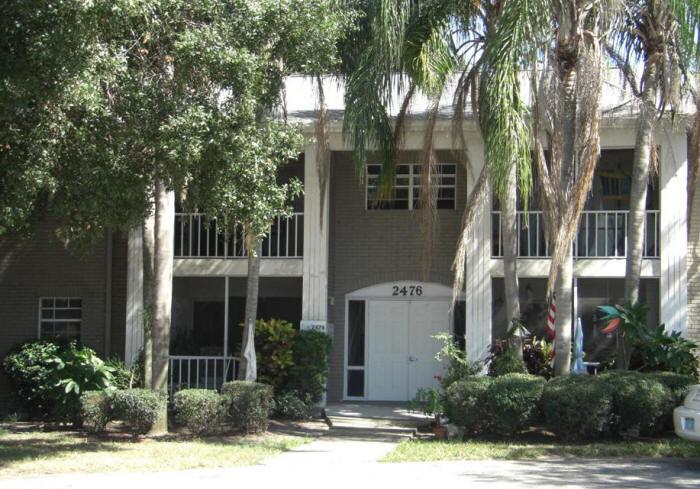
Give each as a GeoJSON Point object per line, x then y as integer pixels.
{"type": "Point", "coordinates": [551, 317]}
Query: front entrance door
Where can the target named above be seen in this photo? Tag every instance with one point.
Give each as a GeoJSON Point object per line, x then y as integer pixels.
{"type": "Point", "coordinates": [402, 348]}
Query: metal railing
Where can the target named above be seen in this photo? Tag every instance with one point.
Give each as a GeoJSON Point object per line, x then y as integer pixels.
{"type": "Point", "coordinates": [200, 372]}
{"type": "Point", "coordinates": [198, 237]}
{"type": "Point", "coordinates": [601, 234]}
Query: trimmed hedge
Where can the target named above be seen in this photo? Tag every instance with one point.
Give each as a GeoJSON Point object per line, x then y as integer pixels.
{"type": "Point", "coordinates": [249, 404]}
{"type": "Point", "coordinates": [201, 411]}
{"type": "Point", "coordinates": [95, 410]}
{"type": "Point", "coordinates": [466, 403]}
{"type": "Point", "coordinates": [577, 407]}
{"type": "Point", "coordinates": [309, 371]}
{"type": "Point", "coordinates": [513, 401]}
{"type": "Point", "coordinates": [139, 408]}
{"type": "Point", "coordinates": [289, 405]}
{"type": "Point", "coordinates": [639, 403]}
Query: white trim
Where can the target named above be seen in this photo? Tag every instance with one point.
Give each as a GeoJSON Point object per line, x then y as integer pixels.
{"type": "Point", "coordinates": [228, 267]}
{"type": "Point", "coordinates": [429, 291]}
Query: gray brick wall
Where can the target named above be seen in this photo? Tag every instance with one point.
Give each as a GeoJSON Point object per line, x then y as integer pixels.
{"type": "Point", "coordinates": [374, 246]}
{"type": "Point", "coordinates": [40, 266]}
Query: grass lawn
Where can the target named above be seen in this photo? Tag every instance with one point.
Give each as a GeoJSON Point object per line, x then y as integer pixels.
{"type": "Point", "coordinates": [428, 451]}
{"type": "Point", "coordinates": [28, 451]}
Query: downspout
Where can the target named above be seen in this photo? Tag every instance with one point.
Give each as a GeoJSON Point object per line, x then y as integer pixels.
{"type": "Point", "coordinates": [108, 295]}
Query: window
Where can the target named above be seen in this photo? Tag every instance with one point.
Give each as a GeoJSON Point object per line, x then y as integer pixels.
{"type": "Point", "coordinates": [60, 317]}
{"type": "Point", "coordinates": [405, 193]}
{"type": "Point", "coordinates": [355, 386]}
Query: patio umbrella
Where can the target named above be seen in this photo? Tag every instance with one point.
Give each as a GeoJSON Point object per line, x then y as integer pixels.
{"type": "Point", "coordinates": [577, 366]}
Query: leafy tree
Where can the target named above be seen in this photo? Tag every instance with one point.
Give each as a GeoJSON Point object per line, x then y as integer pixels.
{"type": "Point", "coordinates": [109, 108]}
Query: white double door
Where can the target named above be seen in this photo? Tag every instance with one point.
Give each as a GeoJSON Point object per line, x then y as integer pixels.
{"type": "Point", "coordinates": [402, 348]}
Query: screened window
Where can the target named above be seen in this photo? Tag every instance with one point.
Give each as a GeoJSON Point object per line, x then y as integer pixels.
{"type": "Point", "coordinates": [60, 317]}
{"type": "Point", "coordinates": [405, 192]}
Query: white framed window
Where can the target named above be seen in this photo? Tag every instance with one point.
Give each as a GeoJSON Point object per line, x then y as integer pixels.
{"type": "Point", "coordinates": [405, 193]}
{"type": "Point", "coordinates": [60, 317]}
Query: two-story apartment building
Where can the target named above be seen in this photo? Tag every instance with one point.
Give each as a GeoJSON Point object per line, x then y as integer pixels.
{"type": "Point", "coordinates": [350, 266]}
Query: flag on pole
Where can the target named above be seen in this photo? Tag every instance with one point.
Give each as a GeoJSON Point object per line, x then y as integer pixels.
{"type": "Point", "coordinates": [551, 317]}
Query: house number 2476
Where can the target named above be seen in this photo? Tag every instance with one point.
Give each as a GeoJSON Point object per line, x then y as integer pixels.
{"type": "Point", "coordinates": [407, 290]}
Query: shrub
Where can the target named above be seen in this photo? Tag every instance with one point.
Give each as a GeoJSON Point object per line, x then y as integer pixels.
{"type": "Point", "coordinates": [466, 403]}
{"type": "Point", "coordinates": [48, 377]}
{"type": "Point", "coordinates": [95, 410]}
{"type": "Point", "coordinates": [668, 352]}
{"type": "Point", "coordinates": [458, 366]}
{"type": "Point", "coordinates": [29, 368]}
{"type": "Point", "coordinates": [249, 404]}
{"type": "Point", "coordinates": [639, 403]}
{"type": "Point", "coordinates": [273, 347]}
{"type": "Point", "coordinates": [513, 401]}
{"type": "Point", "coordinates": [139, 408]}
{"type": "Point", "coordinates": [508, 361]}
{"type": "Point", "coordinates": [125, 378]}
{"type": "Point", "coordinates": [678, 385]}
{"type": "Point", "coordinates": [310, 357]}
{"type": "Point", "coordinates": [537, 355]}
{"type": "Point", "coordinates": [201, 411]}
{"type": "Point", "coordinates": [289, 405]}
{"type": "Point", "coordinates": [578, 407]}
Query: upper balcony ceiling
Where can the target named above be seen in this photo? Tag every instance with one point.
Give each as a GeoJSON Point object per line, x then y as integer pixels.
{"type": "Point", "coordinates": [302, 99]}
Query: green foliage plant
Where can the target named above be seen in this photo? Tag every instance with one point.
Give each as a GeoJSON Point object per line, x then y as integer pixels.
{"type": "Point", "coordinates": [465, 403]}
{"type": "Point", "coordinates": [95, 410]}
{"type": "Point", "coordinates": [513, 400]}
{"type": "Point", "coordinates": [139, 408]}
{"type": "Point", "coordinates": [250, 405]}
{"type": "Point", "coordinates": [309, 372]}
{"type": "Point", "coordinates": [274, 339]}
{"type": "Point", "coordinates": [201, 411]}
{"type": "Point", "coordinates": [431, 402]}
{"type": "Point", "coordinates": [506, 361]}
{"type": "Point", "coordinates": [668, 352]}
{"type": "Point", "coordinates": [578, 407]}
{"type": "Point", "coordinates": [28, 367]}
{"type": "Point", "coordinates": [123, 377]}
{"type": "Point", "coordinates": [455, 359]}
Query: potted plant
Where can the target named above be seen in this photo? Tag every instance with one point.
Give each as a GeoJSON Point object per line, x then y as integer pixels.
{"type": "Point", "coordinates": [432, 403]}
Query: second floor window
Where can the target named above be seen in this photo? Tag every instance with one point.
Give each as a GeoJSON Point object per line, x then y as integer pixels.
{"type": "Point", "coordinates": [405, 193]}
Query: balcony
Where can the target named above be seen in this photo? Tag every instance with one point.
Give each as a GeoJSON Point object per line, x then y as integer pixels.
{"type": "Point", "coordinates": [197, 237]}
{"type": "Point", "coordinates": [601, 234]}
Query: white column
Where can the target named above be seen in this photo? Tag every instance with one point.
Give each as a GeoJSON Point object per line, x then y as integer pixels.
{"type": "Point", "coordinates": [478, 270]}
{"type": "Point", "coordinates": [134, 297]}
{"type": "Point", "coordinates": [673, 237]}
{"type": "Point", "coordinates": [315, 261]}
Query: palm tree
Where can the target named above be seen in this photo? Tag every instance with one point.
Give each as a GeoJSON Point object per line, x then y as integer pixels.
{"type": "Point", "coordinates": [430, 44]}
{"type": "Point", "coordinates": [648, 34]}
{"type": "Point", "coordinates": [561, 41]}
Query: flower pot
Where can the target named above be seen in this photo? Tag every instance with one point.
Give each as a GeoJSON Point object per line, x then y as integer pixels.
{"type": "Point", "coordinates": [440, 432]}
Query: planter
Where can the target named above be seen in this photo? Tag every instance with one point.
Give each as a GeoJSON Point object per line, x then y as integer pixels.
{"type": "Point", "coordinates": [440, 432]}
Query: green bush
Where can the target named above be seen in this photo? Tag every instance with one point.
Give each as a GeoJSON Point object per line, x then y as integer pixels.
{"type": "Point", "coordinates": [201, 411]}
{"type": "Point", "coordinates": [678, 385]}
{"type": "Point", "coordinates": [125, 378]}
{"type": "Point", "coordinates": [273, 348]}
{"type": "Point", "coordinates": [668, 352]}
{"type": "Point", "coordinates": [29, 368]}
{"type": "Point", "coordinates": [95, 410]}
{"type": "Point", "coordinates": [466, 403]}
{"type": "Point", "coordinates": [249, 404]}
{"type": "Point", "coordinates": [458, 365]}
{"type": "Point", "coordinates": [310, 367]}
{"type": "Point", "coordinates": [509, 361]}
{"type": "Point", "coordinates": [578, 407]}
{"type": "Point", "coordinates": [139, 408]}
{"type": "Point", "coordinates": [289, 405]}
{"type": "Point", "coordinates": [48, 377]}
{"type": "Point", "coordinates": [640, 403]}
{"type": "Point", "coordinates": [513, 401]}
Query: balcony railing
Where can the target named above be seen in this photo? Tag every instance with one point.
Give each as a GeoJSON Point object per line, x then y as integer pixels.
{"type": "Point", "coordinates": [601, 234]}
{"type": "Point", "coordinates": [197, 237]}
{"type": "Point", "coordinates": [200, 372]}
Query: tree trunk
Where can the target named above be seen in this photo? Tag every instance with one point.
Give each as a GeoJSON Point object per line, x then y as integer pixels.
{"type": "Point", "coordinates": [564, 295]}
{"type": "Point", "coordinates": [643, 150]}
{"type": "Point", "coordinates": [246, 371]}
{"type": "Point", "coordinates": [509, 224]}
{"type": "Point", "coordinates": [163, 284]}
{"type": "Point", "coordinates": [148, 231]}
